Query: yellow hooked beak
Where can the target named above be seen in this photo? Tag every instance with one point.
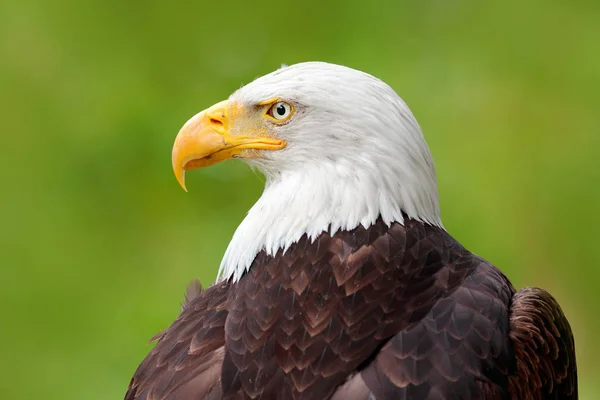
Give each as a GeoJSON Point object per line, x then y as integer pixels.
{"type": "Point", "coordinates": [205, 139]}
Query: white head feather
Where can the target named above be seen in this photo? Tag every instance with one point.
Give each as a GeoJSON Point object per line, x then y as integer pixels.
{"type": "Point", "coordinates": [354, 153]}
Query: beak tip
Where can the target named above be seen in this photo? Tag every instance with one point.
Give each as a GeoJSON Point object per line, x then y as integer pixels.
{"type": "Point", "coordinates": [180, 176]}
{"type": "Point", "coordinates": [181, 181]}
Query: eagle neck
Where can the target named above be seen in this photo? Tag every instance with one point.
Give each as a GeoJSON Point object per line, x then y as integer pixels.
{"type": "Point", "coordinates": [329, 198]}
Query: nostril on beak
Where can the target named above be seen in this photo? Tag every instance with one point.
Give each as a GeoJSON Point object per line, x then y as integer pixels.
{"type": "Point", "coordinates": [214, 121]}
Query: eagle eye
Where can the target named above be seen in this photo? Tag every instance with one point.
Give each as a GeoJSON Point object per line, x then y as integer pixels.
{"type": "Point", "coordinates": [280, 111]}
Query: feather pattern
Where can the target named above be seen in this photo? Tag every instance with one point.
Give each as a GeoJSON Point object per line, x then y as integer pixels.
{"type": "Point", "coordinates": [385, 312]}
{"type": "Point", "coordinates": [544, 348]}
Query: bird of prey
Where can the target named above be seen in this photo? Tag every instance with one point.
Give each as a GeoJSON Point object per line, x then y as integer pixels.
{"type": "Point", "coordinates": [341, 282]}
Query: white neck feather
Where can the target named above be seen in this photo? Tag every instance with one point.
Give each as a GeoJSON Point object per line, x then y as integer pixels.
{"type": "Point", "coordinates": [331, 197]}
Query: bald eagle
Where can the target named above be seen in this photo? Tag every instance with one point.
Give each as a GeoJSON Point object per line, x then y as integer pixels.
{"type": "Point", "coordinates": [341, 282]}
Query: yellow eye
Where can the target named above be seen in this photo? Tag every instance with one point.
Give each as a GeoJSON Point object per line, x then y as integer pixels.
{"type": "Point", "coordinates": [280, 111]}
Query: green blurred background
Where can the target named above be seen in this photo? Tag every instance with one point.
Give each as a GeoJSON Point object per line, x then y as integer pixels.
{"type": "Point", "coordinates": [98, 242]}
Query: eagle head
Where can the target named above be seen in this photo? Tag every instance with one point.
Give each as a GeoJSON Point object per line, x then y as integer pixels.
{"type": "Point", "coordinates": [338, 148]}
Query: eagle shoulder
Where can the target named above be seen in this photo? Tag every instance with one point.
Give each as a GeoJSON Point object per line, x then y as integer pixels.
{"type": "Point", "coordinates": [459, 349]}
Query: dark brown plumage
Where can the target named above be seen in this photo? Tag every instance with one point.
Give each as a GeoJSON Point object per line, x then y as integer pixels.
{"type": "Point", "coordinates": [403, 312]}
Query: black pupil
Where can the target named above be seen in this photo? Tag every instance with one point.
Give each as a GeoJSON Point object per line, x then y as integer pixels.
{"type": "Point", "coordinates": [280, 110]}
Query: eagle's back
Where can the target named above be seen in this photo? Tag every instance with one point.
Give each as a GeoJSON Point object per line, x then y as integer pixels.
{"type": "Point", "coordinates": [398, 312]}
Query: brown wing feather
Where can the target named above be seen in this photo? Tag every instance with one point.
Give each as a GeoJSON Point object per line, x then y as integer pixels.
{"type": "Point", "coordinates": [388, 312]}
{"type": "Point", "coordinates": [186, 361]}
{"type": "Point", "coordinates": [544, 348]}
{"type": "Point", "coordinates": [459, 350]}
{"type": "Point", "coordinates": [419, 315]}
